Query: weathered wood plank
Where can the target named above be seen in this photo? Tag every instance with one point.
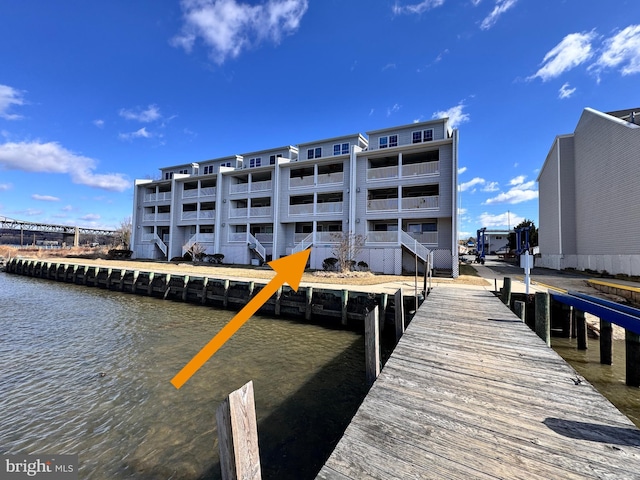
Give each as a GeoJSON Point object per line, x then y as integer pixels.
{"type": "Point", "coordinates": [471, 392]}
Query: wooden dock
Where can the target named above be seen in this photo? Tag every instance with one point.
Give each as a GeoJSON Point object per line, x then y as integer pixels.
{"type": "Point", "coordinates": [471, 392]}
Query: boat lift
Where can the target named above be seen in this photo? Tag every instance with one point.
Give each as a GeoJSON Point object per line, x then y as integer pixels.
{"type": "Point", "coordinates": [481, 245]}
{"type": "Point", "coordinates": [522, 244]}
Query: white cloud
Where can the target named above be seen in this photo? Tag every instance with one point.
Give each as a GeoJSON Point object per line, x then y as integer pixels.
{"type": "Point", "coordinates": [51, 157]}
{"type": "Point", "coordinates": [416, 8]}
{"type": "Point", "coordinates": [227, 27]}
{"type": "Point", "coordinates": [565, 91]}
{"type": "Point", "coordinates": [463, 187]}
{"type": "Point", "coordinates": [90, 217]}
{"type": "Point", "coordinates": [45, 198]}
{"type": "Point", "coordinates": [573, 50]}
{"type": "Point", "coordinates": [99, 123]}
{"type": "Point", "coordinates": [621, 50]}
{"type": "Point", "coordinates": [501, 7]}
{"type": "Point", "coordinates": [394, 109]}
{"type": "Point", "coordinates": [491, 187]}
{"type": "Point", "coordinates": [521, 191]}
{"type": "Point", "coordinates": [141, 133]}
{"type": "Point", "coordinates": [151, 114]}
{"type": "Point", "coordinates": [8, 97]}
{"type": "Point", "coordinates": [502, 220]}
{"type": "Point", "coordinates": [5, 186]}
{"type": "Point", "coordinates": [67, 208]}
{"type": "Point", "coordinates": [455, 115]}
{"type": "Point", "coordinates": [461, 170]}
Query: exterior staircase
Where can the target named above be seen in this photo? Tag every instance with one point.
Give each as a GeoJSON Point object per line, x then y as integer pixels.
{"type": "Point", "coordinates": [304, 244]}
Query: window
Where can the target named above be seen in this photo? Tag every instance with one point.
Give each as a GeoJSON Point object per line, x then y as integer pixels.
{"type": "Point", "coordinates": [341, 149]}
{"type": "Point", "coordinates": [390, 141]}
{"type": "Point", "coordinates": [226, 164]}
{"type": "Point", "coordinates": [314, 153]}
{"type": "Point", "coordinates": [255, 162]}
{"type": "Point", "coordinates": [168, 175]}
{"type": "Point", "coordinates": [417, 137]}
{"type": "Point", "coordinates": [423, 136]}
{"type": "Point", "coordinates": [208, 169]}
{"type": "Point", "coordinates": [185, 171]}
{"type": "Point", "coordinates": [272, 158]}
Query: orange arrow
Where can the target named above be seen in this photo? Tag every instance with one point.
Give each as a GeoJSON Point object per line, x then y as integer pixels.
{"type": "Point", "coordinates": [288, 270]}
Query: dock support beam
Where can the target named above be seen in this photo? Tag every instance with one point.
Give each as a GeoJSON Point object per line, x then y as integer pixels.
{"type": "Point", "coordinates": [581, 328]}
{"type": "Point", "coordinates": [238, 435]}
{"type": "Point", "coordinates": [543, 317]}
{"type": "Point", "coordinates": [632, 347]}
{"type": "Point", "coordinates": [520, 309]}
{"type": "Point", "coordinates": [506, 291]}
{"type": "Point", "coordinates": [606, 344]}
{"type": "Point", "coordinates": [372, 345]}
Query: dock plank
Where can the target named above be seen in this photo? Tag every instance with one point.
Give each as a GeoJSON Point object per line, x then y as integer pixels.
{"type": "Point", "coordinates": [472, 392]}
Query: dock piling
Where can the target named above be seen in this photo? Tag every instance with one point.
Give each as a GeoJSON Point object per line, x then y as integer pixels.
{"type": "Point", "coordinates": [543, 317]}
{"type": "Point", "coordinates": [606, 344]}
{"type": "Point", "coordinates": [372, 345]}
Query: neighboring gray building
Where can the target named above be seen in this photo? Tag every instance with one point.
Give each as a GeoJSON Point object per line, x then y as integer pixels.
{"type": "Point", "coordinates": [589, 203]}
{"type": "Point", "coordinates": [396, 187]}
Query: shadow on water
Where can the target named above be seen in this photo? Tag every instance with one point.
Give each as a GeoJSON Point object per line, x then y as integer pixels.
{"type": "Point", "coordinates": [299, 436]}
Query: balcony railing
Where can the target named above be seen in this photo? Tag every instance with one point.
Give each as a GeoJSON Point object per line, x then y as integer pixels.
{"type": "Point", "coordinates": [201, 215]}
{"type": "Point", "coordinates": [163, 217]}
{"type": "Point", "coordinates": [189, 215]}
{"type": "Point", "coordinates": [157, 197]}
{"type": "Point", "coordinates": [237, 236]}
{"type": "Point", "coordinates": [264, 237]}
{"type": "Point", "coordinates": [382, 237]}
{"type": "Point", "coordinates": [425, 238]}
{"type": "Point", "coordinates": [383, 204]}
{"type": "Point", "coordinates": [239, 188]}
{"type": "Point", "coordinates": [238, 212]}
{"type": "Point", "coordinates": [382, 173]}
{"type": "Point", "coordinates": [298, 182]}
{"type": "Point", "coordinates": [331, 178]}
{"type": "Point", "coordinates": [265, 186]}
{"type": "Point", "coordinates": [413, 203]}
{"type": "Point", "coordinates": [260, 211]}
{"type": "Point", "coordinates": [190, 193]}
{"type": "Point", "coordinates": [304, 209]}
{"type": "Point", "coordinates": [329, 207]}
{"type": "Point", "coordinates": [328, 237]}
{"type": "Point", "coordinates": [425, 168]}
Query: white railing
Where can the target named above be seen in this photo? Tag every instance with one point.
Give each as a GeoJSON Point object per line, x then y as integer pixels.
{"type": "Point", "coordinates": [264, 237]}
{"type": "Point", "coordinates": [202, 238]}
{"type": "Point", "coordinates": [299, 237]}
{"type": "Point", "coordinates": [260, 211]}
{"type": "Point", "coordinates": [189, 215]}
{"type": "Point", "coordinates": [412, 203]}
{"type": "Point", "coordinates": [161, 245]}
{"type": "Point", "coordinates": [239, 188]}
{"type": "Point", "coordinates": [382, 173]}
{"type": "Point", "coordinates": [156, 197]}
{"type": "Point", "coordinates": [208, 192]}
{"type": "Point", "coordinates": [429, 238]}
{"type": "Point", "coordinates": [330, 178]}
{"type": "Point", "coordinates": [329, 207]}
{"type": "Point", "coordinates": [414, 246]}
{"type": "Point", "coordinates": [304, 209]}
{"type": "Point", "coordinates": [149, 217]}
{"type": "Point", "coordinates": [257, 246]}
{"type": "Point", "coordinates": [191, 193]}
{"type": "Point", "coordinates": [328, 237]}
{"type": "Point", "coordinates": [237, 236]}
{"type": "Point", "coordinates": [304, 244]}
{"type": "Point", "coordinates": [148, 237]}
{"type": "Point", "coordinates": [297, 182]}
{"type": "Point", "coordinates": [382, 237]}
{"type": "Point", "coordinates": [238, 212]}
{"type": "Point", "coordinates": [425, 168]}
{"type": "Point", "coordinates": [262, 186]}
{"type": "Point", "coordinates": [382, 204]}
{"type": "Point", "coordinates": [163, 217]}
{"type": "Point", "coordinates": [206, 214]}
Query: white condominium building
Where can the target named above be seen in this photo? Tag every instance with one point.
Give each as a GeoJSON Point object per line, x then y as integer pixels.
{"type": "Point", "coordinates": [394, 189]}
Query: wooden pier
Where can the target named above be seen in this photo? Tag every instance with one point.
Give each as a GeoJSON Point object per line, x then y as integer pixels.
{"type": "Point", "coordinates": [471, 392]}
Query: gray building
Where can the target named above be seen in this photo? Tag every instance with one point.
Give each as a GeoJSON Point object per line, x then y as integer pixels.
{"type": "Point", "coordinates": [396, 188]}
{"type": "Point", "coordinates": [589, 203]}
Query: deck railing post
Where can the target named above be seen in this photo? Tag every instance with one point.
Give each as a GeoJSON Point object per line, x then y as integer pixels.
{"type": "Point", "coordinates": [543, 317]}
{"type": "Point", "coordinates": [606, 345]}
{"type": "Point", "coordinates": [399, 314]}
{"type": "Point", "coordinates": [372, 345]}
{"type": "Point", "coordinates": [519, 308]}
{"type": "Point", "coordinates": [238, 435]}
{"type": "Point", "coordinates": [632, 347]}
{"type": "Point", "coordinates": [506, 291]}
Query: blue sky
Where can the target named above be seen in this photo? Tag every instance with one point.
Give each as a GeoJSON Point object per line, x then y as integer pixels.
{"type": "Point", "coordinates": [94, 95]}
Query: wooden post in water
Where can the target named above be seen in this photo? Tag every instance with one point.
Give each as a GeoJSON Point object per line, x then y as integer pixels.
{"type": "Point", "coordinates": [372, 345]}
{"type": "Point", "coordinates": [307, 309]}
{"type": "Point", "coordinates": [345, 303]}
{"type": "Point", "coordinates": [399, 315]}
{"type": "Point", "coordinates": [278, 299]}
{"type": "Point", "coordinates": [632, 347]}
{"type": "Point", "coordinates": [519, 308]}
{"type": "Point", "coordinates": [581, 327]}
{"type": "Point", "coordinates": [543, 317]}
{"type": "Point", "coordinates": [506, 291]}
{"type": "Point", "coordinates": [238, 435]}
{"type": "Point", "coordinates": [606, 344]}
{"type": "Point", "coordinates": [225, 301]}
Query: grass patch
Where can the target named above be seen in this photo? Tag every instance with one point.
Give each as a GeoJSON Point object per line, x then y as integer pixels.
{"type": "Point", "coordinates": [466, 269]}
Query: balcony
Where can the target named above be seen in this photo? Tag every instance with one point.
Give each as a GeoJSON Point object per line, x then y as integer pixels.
{"type": "Point", "coordinates": [382, 237]}
{"type": "Point", "coordinates": [300, 182]}
{"type": "Point", "coordinates": [421, 203]}
{"type": "Point", "coordinates": [264, 237]}
{"type": "Point", "coordinates": [157, 197]}
{"type": "Point", "coordinates": [239, 188]}
{"type": "Point", "coordinates": [425, 238]}
{"type": "Point", "coordinates": [201, 215]}
{"type": "Point", "coordinates": [382, 173]}
{"type": "Point", "coordinates": [260, 212]}
{"type": "Point", "coordinates": [329, 207]}
{"type": "Point", "coordinates": [419, 169]}
{"type": "Point", "coordinates": [335, 178]}
{"type": "Point", "coordinates": [302, 209]}
{"type": "Point", "coordinates": [382, 205]}
{"type": "Point", "coordinates": [265, 186]}
{"type": "Point", "coordinates": [238, 212]}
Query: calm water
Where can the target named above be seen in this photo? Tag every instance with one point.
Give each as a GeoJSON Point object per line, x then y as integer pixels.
{"type": "Point", "coordinates": [86, 371]}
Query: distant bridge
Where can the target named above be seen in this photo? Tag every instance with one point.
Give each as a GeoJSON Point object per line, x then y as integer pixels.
{"type": "Point", "coordinates": [67, 231]}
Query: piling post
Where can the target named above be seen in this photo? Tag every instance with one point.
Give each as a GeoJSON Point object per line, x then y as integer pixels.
{"type": "Point", "coordinates": [185, 287]}
{"type": "Point", "coordinates": [543, 317]}
{"type": "Point", "coordinates": [307, 309]}
{"type": "Point", "coordinates": [225, 301]}
{"type": "Point", "coordinates": [506, 291]}
{"type": "Point", "coordinates": [238, 435]}
{"type": "Point", "coordinates": [581, 327]}
{"type": "Point", "coordinates": [520, 309]}
{"type": "Point", "coordinates": [632, 347]}
{"type": "Point", "coordinates": [399, 315]}
{"type": "Point", "coordinates": [205, 284]}
{"type": "Point", "coordinates": [345, 304]}
{"type": "Point", "coordinates": [168, 285]}
{"type": "Point", "coordinates": [372, 345]}
{"type": "Point", "coordinates": [278, 300]}
{"type": "Point", "coordinates": [150, 285]}
{"type": "Point", "coordinates": [606, 344]}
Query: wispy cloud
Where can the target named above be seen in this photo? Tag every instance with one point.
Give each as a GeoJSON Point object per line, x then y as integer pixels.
{"type": "Point", "coordinates": [150, 114]}
{"type": "Point", "coordinates": [5, 186]}
{"type": "Point", "coordinates": [455, 115]}
{"type": "Point", "coordinates": [491, 187]}
{"type": "Point", "coordinates": [622, 50]}
{"type": "Point", "coordinates": [51, 157]}
{"type": "Point", "coordinates": [99, 123]}
{"type": "Point", "coordinates": [9, 97]}
{"type": "Point", "coordinates": [141, 133]}
{"type": "Point", "coordinates": [463, 187]}
{"type": "Point", "coordinates": [519, 192]}
{"type": "Point", "coordinates": [574, 49]}
{"type": "Point", "coordinates": [391, 110]}
{"type": "Point", "coordinates": [416, 8]}
{"type": "Point", "coordinates": [565, 91]}
{"type": "Point", "coordinates": [502, 220]}
{"type": "Point", "coordinates": [499, 9]}
{"type": "Point", "coordinates": [91, 217]}
{"type": "Point", "coordinates": [228, 27]}
{"type": "Point", "coordinates": [461, 170]}
{"type": "Point", "coordinates": [45, 198]}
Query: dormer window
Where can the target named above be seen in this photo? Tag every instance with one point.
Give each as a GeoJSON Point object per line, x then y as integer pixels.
{"type": "Point", "coordinates": [388, 141]}
{"type": "Point", "coordinates": [341, 149]}
{"type": "Point", "coordinates": [423, 136]}
{"type": "Point", "coordinates": [314, 153]}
